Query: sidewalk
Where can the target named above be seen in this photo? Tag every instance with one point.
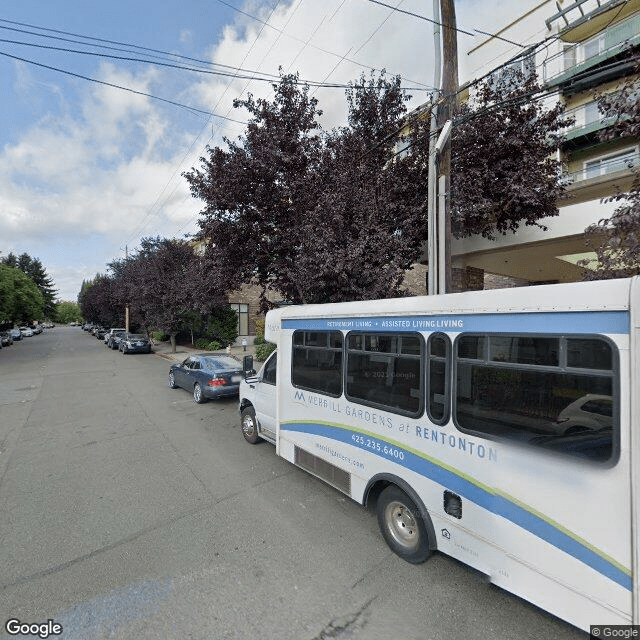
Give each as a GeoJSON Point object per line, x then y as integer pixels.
{"type": "Point", "coordinates": [163, 350]}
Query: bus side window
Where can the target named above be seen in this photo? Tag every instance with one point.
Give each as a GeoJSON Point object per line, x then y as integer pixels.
{"type": "Point", "coordinates": [269, 374]}
{"type": "Point", "coordinates": [386, 371]}
{"type": "Point", "coordinates": [553, 392]}
{"type": "Point", "coordinates": [438, 378]}
{"type": "Point", "coordinates": [317, 361]}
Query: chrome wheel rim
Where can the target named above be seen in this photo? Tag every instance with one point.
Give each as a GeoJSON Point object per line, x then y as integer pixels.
{"type": "Point", "coordinates": [402, 525]}
{"type": "Point", "coordinates": [248, 426]}
{"type": "Point", "coordinates": [197, 393]}
{"type": "Point", "coordinates": [171, 380]}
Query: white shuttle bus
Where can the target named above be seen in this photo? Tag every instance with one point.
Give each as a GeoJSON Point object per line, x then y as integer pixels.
{"type": "Point", "coordinates": [499, 427]}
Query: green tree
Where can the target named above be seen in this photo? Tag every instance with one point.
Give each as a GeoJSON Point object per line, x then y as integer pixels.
{"type": "Point", "coordinates": [20, 299]}
{"type": "Point", "coordinates": [67, 312]}
{"type": "Point", "coordinates": [34, 269]}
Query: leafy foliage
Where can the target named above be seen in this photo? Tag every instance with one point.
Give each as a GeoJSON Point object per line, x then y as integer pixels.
{"type": "Point", "coordinates": [163, 283]}
{"type": "Point", "coordinates": [263, 351]}
{"type": "Point", "coordinates": [503, 170]}
{"type": "Point", "coordinates": [67, 312]}
{"type": "Point", "coordinates": [616, 240]}
{"type": "Point", "coordinates": [33, 268]}
{"type": "Point", "coordinates": [21, 301]}
{"type": "Point", "coordinates": [316, 217]}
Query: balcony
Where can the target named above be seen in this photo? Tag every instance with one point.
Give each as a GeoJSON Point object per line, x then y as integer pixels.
{"type": "Point", "coordinates": [588, 120]}
{"type": "Point", "coordinates": [601, 177]}
{"type": "Point", "coordinates": [583, 64]}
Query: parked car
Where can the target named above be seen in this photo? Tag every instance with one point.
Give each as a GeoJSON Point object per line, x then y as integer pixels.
{"type": "Point", "coordinates": [16, 334]}
{"type": "Point", "coordinates": [6, 338]}
{"type": "Point", "coordinates": [26, 332]}
{"type": "Point", "coordinates": [134, 343]}
{"type": "Point", "coordinates": [592, 412]}
{"type": "Point", "coordinates": [207, 376]}
{"type": "Point", "coordinates": [114, 339]}
{"type": "Point", "coordinates": [111, 331]}
{"type": "Point", "coordinates": [37, 329]}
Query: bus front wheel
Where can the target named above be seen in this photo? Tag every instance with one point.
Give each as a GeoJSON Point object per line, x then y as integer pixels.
{"type": "Point", "coordinates": [402, 526]}
{"type": "Point", "coordinates": [249, 425]}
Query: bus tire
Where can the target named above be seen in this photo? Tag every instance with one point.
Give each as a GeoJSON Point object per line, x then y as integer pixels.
{"type": "Point", "coordinates": [402, 525]}
{"type": "Point", "coordinates": [249, 425]}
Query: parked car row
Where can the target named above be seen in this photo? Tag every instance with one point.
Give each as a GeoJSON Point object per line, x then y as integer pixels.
{"type": "Point", "coordinates": [118, 338]}
{"type": "Point", "coordinates": [9, 336]}
{"type": "Point", "coordinates": [207, 376]}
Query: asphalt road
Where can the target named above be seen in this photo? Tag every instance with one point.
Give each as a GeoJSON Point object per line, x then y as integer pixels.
{"type": "Point", "coordinates": [129, 512]}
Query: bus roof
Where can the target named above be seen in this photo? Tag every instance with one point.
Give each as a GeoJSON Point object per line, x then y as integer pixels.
{"type": "Point", "coordinates": [599, 295]}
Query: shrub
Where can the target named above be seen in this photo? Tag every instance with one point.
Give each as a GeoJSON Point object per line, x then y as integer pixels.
{"type": "Point", "coordinates": [202, 343]}
{"type": "Point", "coordinates": [259, 340]}
{"type": "Point", "coordinates": [222, 326]}
{"type": "Point", "coordinates": [214, 345]}
{"type": "Point", "coordinates": [159, 336]}
{"type": "Point", "coordinates": [263, 351]}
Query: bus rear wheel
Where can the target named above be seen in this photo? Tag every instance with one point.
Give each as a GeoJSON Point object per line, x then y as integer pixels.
{"type": "Point", "coordinates": [402, 525]}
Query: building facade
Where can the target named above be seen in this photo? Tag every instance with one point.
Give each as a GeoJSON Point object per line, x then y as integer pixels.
{"type": "Point", "coordinates": [576, 48]}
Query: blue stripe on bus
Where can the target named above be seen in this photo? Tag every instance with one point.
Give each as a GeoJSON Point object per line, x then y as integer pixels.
{"type": "Point", "coordinates": [493, 502]}
{"type": "Point", "coordinates": [561, 322]}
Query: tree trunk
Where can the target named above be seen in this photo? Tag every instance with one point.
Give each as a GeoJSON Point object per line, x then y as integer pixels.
{"type": "Point", "coordinates": [172, 336]}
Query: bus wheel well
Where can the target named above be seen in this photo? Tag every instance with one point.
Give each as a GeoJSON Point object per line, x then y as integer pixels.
{"type": "Point", "coordinates": [379, 483]}
{"type": "Point", "coordinates": [373, 493]}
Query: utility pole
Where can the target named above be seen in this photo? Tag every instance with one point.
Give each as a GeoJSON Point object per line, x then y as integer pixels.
{"type": "Point", "coordinates": [449, 88]}
{"type": "Point", "coordinates": [432, 202]}
{"type": "Point", "coordinates": [126, 308]}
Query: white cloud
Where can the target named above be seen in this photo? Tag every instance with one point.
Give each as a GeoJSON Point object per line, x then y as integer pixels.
{"type": "Point", "coordinates": [101, 168]}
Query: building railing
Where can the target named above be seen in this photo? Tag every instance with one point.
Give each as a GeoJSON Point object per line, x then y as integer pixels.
{"type": "Point", "coordinates": [578, 57]}
{"type": "Point", "coordinates": [602, 167]}
{"type": "Point", "coordinates": [587, 119]}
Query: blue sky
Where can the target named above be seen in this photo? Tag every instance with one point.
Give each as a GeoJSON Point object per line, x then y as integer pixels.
{"type": "Point", "coordinates": [86, 170]}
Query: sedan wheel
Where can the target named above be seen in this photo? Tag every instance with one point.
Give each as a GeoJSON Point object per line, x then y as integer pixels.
{"type": "Point", "coordinates": [172, 381]}
{"type": "Point", "coordinates": [197, 394]}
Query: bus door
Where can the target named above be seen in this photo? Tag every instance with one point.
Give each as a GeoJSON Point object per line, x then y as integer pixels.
{"type": "Point", "coordinates": [266, 399]}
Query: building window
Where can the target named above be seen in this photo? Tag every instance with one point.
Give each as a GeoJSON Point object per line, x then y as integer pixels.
{"type": "Point", "coordinates": [611, 163]}
{"type": "Point", "coordinates": [243, 318]}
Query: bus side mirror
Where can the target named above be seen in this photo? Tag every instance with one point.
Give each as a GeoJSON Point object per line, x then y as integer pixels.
{"type": "Point", "coordinates": [247, 366]}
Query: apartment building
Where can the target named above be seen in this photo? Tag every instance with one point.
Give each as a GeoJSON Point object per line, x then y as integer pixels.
{"type": "Point", "coordinates": [575, 47]}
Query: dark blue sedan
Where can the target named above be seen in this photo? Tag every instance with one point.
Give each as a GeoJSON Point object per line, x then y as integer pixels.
{"type": "Point", "coordinates": [207, 376]}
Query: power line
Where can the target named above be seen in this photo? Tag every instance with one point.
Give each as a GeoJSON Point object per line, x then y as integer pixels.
{"type": "Point", "coordinates": [421, 17]}
{"type": "Point", "coordinates": [117, 86]}
{"type": "Point", "coordinates": [317, 48]}
{"type": "Point", "coordinates": [256, 75]}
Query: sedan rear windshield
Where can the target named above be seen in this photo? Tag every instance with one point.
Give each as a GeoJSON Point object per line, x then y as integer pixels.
{"type": "Point", "coordinates": [222, 362]}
